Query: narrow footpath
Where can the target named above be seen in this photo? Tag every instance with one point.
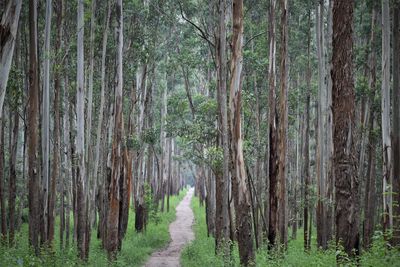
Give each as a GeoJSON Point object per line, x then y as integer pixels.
{"type": "Point", "coordinates": [181, 233]}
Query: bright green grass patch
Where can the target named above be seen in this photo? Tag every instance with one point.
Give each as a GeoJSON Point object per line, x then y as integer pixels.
{"type": "Point", "coordinates": [201, 251]}
{"type": "Point", "coordinates": [136, 247]}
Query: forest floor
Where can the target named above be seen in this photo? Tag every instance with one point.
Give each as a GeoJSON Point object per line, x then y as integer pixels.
{"type": "Point", "coordinates": [200, 252]}
{"type": "Point", "coordinates": [136, 247]}
{"type": "Point", "coordinates": [181, 233]}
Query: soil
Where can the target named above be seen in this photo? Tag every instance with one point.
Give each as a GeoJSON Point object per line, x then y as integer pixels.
{"type": "Point", "coordinates": [181, 233]}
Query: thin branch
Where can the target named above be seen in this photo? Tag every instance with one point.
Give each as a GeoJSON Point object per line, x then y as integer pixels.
{"type": "Point", "coordinates": [253, 37]}
{"type": "Point", "coordinates": [202, 34]}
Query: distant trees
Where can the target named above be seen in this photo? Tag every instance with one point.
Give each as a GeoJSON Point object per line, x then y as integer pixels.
{"type": "Point", "coordinates": [119, 120]}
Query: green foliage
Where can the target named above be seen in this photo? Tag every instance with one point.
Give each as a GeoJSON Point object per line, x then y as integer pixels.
{"type": "Point", "coordinates": [133, 143]}
{"type": "Point", "coordinates": [201, 251]}
{"type": "Point", "coordinates": [215, 157]}
{"type": "Point", "coordinates": [151, 205]}
{"type": "Point", "coordinates": [136, 247]}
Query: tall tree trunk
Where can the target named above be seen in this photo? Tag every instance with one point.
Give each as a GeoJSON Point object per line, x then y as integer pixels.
{"type": "Point", "coordinates": [100, 131]}
{"type": "Point", "coordinates": [33, 111]}
{"type": "Point", "coordinates": [387, 162]}
{"type": "Point", "coordinates": [88, 157]}
{"type": "Point", "coordinates": [80, 140]}
{"type": "Point", "coordinates": [369, 207]}
{"type": "Point", "coordinates": [46, 127]}
{"type": "Point", "coordinates": [396, 123]}
{"type": "Point", "coordinates": [283, 124]}
{"type": "Point", "coordinates": [273, 135]}
{"type": "Point", "coordinates": [239, 177]}
{"type": "Point", "coordinates": [8, 35]}
{"type": "Point", "coordinates": [321, 148]}
{"type": "Point", "coordinates": [222, 183]}
{"type": "Point", "coordinates": [113, 241]}
{"type": "Point", "coordinates": [343, 99]}
{"type": "Point", "coordinates": [59, 8]}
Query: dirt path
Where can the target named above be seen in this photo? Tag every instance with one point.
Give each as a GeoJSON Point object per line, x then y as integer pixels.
{"type": "Point", "coordinates": [181, 233]}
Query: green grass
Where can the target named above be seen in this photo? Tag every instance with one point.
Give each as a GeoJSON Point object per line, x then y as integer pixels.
{"type": "Point", "coordinates": [201, 251]}
{"type": "Point", "coordinates": [136, 247]}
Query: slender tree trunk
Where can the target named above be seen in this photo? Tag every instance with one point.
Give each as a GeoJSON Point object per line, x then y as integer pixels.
{"type": "Point", "coordinates": [113, 241]}
{"type": "Point", "coordinates": [343, 99]}
{"type": "Point", "coordinates": [396, 123]}
{"type": "Point", "coordinates": [88, 157]}
{"type": "Point", "coordinates": [273, 135]}
{"type": "Point", "coordinates": [80, 140]}
{"type": "Point", "coordinates": [100, 131]}
{"type": "Point", "coordinates": [387, 162]}
{"type": "Point", "coordinates": [283, 124]}
{"type": "Point", "coordinates": [59, 7]}
{"type": "Point", "coordinates": [222, 182]}
{"type": "Point", "coordinates": [306, 149]}
{"type": "Point", "coordinates": [33, 111]}
{"type": "Point", "coordinates": [45, 131]}
{"type": "Point", "coordinates": [369, 202]}
{"type": "Point", "coordinates": [239, 177]}
{"type": "Point", "coordinates": [8, 33]}
{"type": "Point", "coordinates": [321, 148]}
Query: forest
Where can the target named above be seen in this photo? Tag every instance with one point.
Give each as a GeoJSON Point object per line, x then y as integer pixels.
{"type": "Point", "coordinates": [200, 133]}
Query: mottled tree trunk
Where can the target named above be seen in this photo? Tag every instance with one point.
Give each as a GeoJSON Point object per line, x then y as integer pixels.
{"type": "Point", "coordinates": [222, 180]}
{"type": "Point", "coordinates": [8, 33]}
{"type": "Point", "coordinates": [80, 141]}
{"type": "Point", "coordinates": [343, 100]}
{"type": "Point", "coordinates": [387, 162]}
{"type": "Point", "coordinates": [117, 160]}
{"type": "Point", "coordinates": [239, 177]}
{"type": "Point", "coordinates": [283, 125]}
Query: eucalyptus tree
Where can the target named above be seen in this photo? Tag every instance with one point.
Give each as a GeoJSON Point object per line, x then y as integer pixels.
{"type": "Point", "coordinates": [343, 100]}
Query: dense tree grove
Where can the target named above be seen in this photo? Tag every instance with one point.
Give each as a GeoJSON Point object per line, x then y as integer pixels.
{"type": "Point", "coordinates": [284, 115]}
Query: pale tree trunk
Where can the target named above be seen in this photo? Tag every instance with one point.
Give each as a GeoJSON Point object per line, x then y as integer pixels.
{"type": "Point", "coordinates": [100, 129]}
{"type": "Point", "coordinates": [33, 110]}
{"type": "Point", "coordinates": [343, 100]}
{"type": "Point", "coordinates": [283, 125]}
{"type": "Point", "coordinates": [46, 126]}
{"type": "Point", "coordinates": [222, 183]}
{"type": "Point", "coordinates": [8, 33]}
{"type": "Point", "coordinates": [369, 202]}
{"type": "Point", "coordinates": [80, 140]}
{"type": "Point", "coordinates": [163, 144]}
{"type": "Point", "coordinates": [67, 158]}
{"type": "Point", "coordinates": [112, 238]}
{"type": "Point", "coordinates": [321, 148]}
{"type": "Point", "coordinates": [387, 162]}
{"type": "Point", "coordinates": [306, 149]}
{"type": "Point", "coordinates": [396, 123]}
{"type": "Point", "coordinates": [329, 140]}
{"type": "Point", "coordinates": [239, 177]}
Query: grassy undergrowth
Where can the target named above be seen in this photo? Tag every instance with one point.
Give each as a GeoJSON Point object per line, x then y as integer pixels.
{"type": "Point", "coordinates": [201, 251]}
{"type": "Point", "coordinates": [136, 248]}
